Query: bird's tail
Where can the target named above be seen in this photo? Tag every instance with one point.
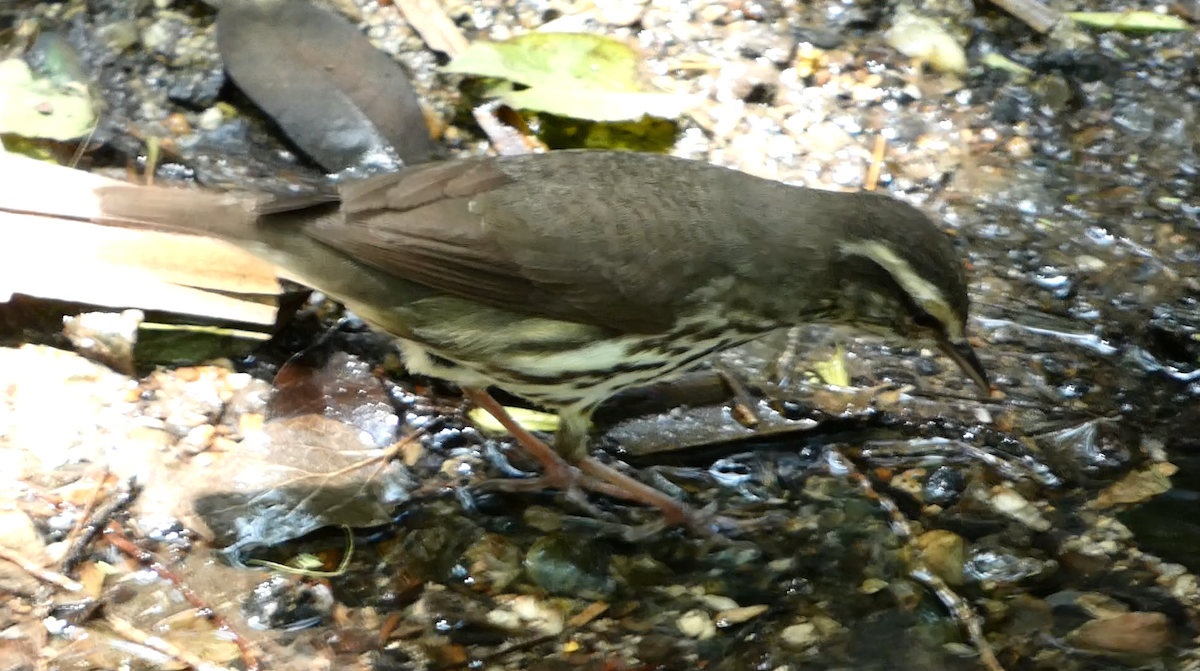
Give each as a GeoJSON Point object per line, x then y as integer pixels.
{"type": "Point", "coordinates": [229, 217]}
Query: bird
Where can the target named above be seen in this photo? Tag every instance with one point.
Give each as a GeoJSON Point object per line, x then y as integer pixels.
{"type": "Point", "coordinates": [568, 276]}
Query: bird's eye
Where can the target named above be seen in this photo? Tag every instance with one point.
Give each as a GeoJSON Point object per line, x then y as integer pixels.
{"type": "Point", "coordinates": [925, 320]}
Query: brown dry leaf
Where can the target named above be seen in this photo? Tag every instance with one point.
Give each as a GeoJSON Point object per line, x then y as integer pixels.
{"type": "Point", "coordinates": [1137, 486]}
{"type": "Point", "coordinates": [296, 476]}
{"type": "Point", "coordinates": [50, 251]}
{"type": "Point", "coordinates": [323, 83]}
{"type": "Point", "coordinates": [321, 461]}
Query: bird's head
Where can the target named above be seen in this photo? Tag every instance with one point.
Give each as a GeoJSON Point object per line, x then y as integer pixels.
{"type": "Point", "coordinates": [901, 275]}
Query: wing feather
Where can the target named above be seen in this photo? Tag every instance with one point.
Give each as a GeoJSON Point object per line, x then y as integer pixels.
{"type": "Point", "coordinates": [592, 241]}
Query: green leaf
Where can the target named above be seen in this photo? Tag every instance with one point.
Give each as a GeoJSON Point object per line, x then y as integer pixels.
{"type": "Point", "coordinates": [570, 74]}
{"type": "Point", "coordinates": [598, 105]}
{"type": "Point", "coordinates": [834, 370]}
{"type": "Point", "coordinates": [998, 62]}
{"type": "Point", "coordinates": [36, 108]}
{"type": "Point", "coordinates": [1129, 21]}
{"type": "Point", "coordinates": [530, 420]}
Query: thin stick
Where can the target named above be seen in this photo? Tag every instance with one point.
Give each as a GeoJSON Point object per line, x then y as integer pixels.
{"type": "Point", "coordinates": [962, 612]}
{"type": "Point", "coordinates": [430, 21]}
{"type": "Point", "coordinates": [132, 633]}
{"type": "Point", "coordinates": [117, 537]}
{"type": "Point", "coordinates": [876, 162]}
{"type": "Point", "coordinates": [45, 575]}
{"type": "Point", "coordinates": [88, 508]}
{"type": "Point", "coordinates": [1033, 13]}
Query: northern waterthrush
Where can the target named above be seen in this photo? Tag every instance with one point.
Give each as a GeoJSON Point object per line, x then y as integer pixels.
{"type": "Point", "coordinates": [566, 277]}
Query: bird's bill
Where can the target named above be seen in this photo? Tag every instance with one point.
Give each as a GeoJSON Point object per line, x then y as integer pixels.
{"type": "Point", "coordinates": [964, 355]}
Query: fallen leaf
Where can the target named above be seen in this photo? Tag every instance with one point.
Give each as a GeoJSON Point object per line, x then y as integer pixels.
{"type": "Point", "coordinates": [570, 74]}
{"type": "Point", "coordinates": [1137, 486]}
{"type": "Point", "coordinates": [1129, 21]}
{"type": "Point", "coordinates": [330, 90]}
{"type": "Point", "coordinates": [36, 108]}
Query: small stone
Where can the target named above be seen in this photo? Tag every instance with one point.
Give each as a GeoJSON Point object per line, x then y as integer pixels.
{"type": "Point", "coordinates": [504, 619]}
{"type": "Point", "coordinates": [696, 624]}
{"type": "Point", "coordinates": [800, 636]}
{"type": "Point", "coordinates": [1138, 633]}
{"type": "Point", "coordinates": [1137, 486]}
{"type": "Point", "coordinates": [1089, 264]}
{"type": "Point", "coordinates": [250, 422]}
{"type": "Point", "coordinates": [538, 615]}
{"type": "Point", "coordinates": [178, 125]}
{"type": "Point", "coordinates": [1019, 147]}
{"type": "Point", "coordinates": [17, 533]}
{"type": "Point", "coordinates": [621, 12]}
{"type": "Point", "coordinates": [872, 586]}
{"type": "Point", "coordinates": [712, 13]}
{"type": "Point", "coordinates": [1100, 606]}
{"type": "Point", "coordinates": [1011, 504]}
{"type": "Point", "coordinates": [198, 439]}
{"type": "Point", "coordinates": [211, 119]}
{"type": "Point", "coordinates": [945, 553]}
{"type": "Point", "coordinates": [827, 138]}
{"type": "Point", "coordinates": [920, 37]}
{"type": "Point", "coordinates": [718, 602]}
{"type": "Point", "coordinates": [119, 35]}
{"type": "Point", "coordinates": [159, 438]}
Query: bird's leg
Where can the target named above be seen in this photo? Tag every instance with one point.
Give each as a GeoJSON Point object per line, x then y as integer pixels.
{"type": "Point", "coordinates": [572, 441]}
{"type": "Point", "coordinates": [557, 472]}
{"type": "Point", "coordinates": [674, 512]}
{"type": "Point", "coordinates": [590, 473]}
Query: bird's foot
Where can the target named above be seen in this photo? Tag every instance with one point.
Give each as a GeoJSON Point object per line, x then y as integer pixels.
{"type": "Point", "coordinates": [559, 475]}
{"type": "Point", "coordinates": [590, 475]}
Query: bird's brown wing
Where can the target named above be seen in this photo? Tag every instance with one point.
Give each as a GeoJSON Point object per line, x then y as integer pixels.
{"type": "Point", "coordinates": [418, 225]}
{"type": "Point", "coordinates": [484, 232]}
{"type": "Point", "coordinates": [625, 241]}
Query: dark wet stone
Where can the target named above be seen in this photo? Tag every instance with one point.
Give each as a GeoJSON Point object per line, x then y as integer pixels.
{"type": "Point", "coordinates": [1083, 66]}
{"type": "Point", "coordinates": [821, 38]}
{"type": "Point", "coordinates": [283, 602]}
{"type": "Point", "coordinates": [562, 565]}
{"type": "Point", "coordinates": [944, 486]}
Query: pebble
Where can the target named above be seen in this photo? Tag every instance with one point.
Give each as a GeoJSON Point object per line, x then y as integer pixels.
{"type": "Point", "coordinates": [528, 612]}
{"type": "Point", "coordinates": [1139, 633]}
{"type": "Point", "coordinates": [1011, 504]}
{"type": "Point", "coordinates": [211, 119]}
{"type": "Point", "coordinates": [621, 12]}
{"type": "Point", "coordinates": [945, 553]}
{"type": "Point", "coordinates": [800, 636]}
{"type": "Point", "coordinates": [924, 38]}
{"type": "Point", "coordinates": [718, 602]}
{"type": "Point", "coordinates": [17, 533]}
{"type": "Point", "coordinates": [696, 624]}
{"type": "Point", "coordinates": [872, 586]}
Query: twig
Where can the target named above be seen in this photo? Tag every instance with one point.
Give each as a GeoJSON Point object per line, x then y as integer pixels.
{"type": "Point", "coordinates": [132, 633]}
{"type": "Point", "coordinates": [784, 365]}
{"type": "Point", "coordinates": [508, 141]}
{"type": "Point", "coordinates": [876, 162]}
{"type": "Point", "coordinates": [430, 21]}
{"type": "Point", "coordinates": [45, 575]}
{"type": "Point", "coordinates": [959, 608]}
{"type": "Point", "coordinates": [745, 410]}
{"type": "Point", "coordinates": [117, 537]}
{"type": "Point", "coordinates": [1033, 13]}
{"type": "Point", "coordinates": [88, 508]}
{"type": "Point", "coordinates": [78, 548]}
